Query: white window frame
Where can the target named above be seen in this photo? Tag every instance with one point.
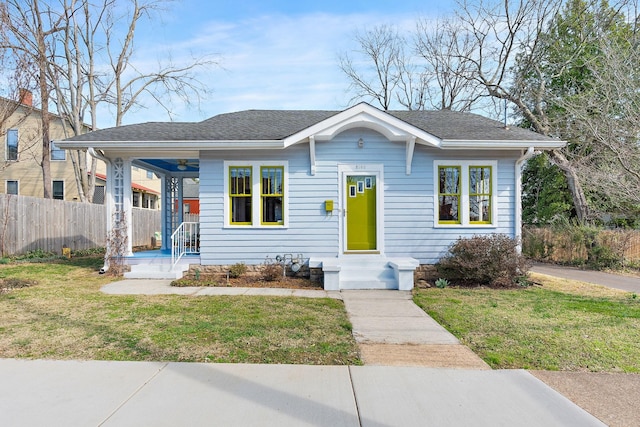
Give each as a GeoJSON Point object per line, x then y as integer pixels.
{"type": "Point", "coordinates": [53, 148]}
{"type": "Point", "coordinates": [6, 186]}
{"type": "Point", "coordinates": [464, 207]}
{"type": "Point", "coordinates": [256, 207]}
{"type": "Point", "coordinates": [6, 145]}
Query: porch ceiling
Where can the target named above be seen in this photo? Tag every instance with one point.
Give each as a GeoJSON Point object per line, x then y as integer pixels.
{"type": "Point", "coordinates": [182, 165]}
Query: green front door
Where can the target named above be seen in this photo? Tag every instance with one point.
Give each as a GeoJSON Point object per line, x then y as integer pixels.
{"type": "Point", "coordinates": [361, 213]}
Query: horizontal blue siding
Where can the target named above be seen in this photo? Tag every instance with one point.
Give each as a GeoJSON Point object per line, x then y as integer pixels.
{"type": "Point", "coordinates": [408, 201]}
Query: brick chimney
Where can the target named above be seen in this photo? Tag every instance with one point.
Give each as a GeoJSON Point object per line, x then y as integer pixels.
{"type": "Point", "coordinates": [26, 97]}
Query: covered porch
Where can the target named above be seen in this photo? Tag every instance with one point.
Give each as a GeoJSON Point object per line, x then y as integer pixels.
{"type": "Point", "coordinates": [180, 231]}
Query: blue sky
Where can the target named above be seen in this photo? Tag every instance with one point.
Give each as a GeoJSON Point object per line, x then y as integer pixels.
{"type": "Point", "coordinates": [272, 54]}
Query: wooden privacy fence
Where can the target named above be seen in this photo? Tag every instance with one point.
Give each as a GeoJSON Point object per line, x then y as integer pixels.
{"type": "Point", "coordinates": [569, 246]}
{"type": "Point", "coordinates": [29, 223]}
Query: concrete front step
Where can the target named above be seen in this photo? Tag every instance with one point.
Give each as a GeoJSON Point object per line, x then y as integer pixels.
{"type": "Point", "coordinates": [156, 271]}
{"type": "Point", "coordinates": [366, 272]}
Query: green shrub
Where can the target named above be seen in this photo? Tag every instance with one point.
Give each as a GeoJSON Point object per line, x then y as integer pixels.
{"type": "Point", "coordinates": [237, 270]}
{"type": "Point", "coordinates": [491, 260]}
{"type": "Point", "coordinates": [88, 252]}
{"type": "Point", "coordinates": [442, 283]}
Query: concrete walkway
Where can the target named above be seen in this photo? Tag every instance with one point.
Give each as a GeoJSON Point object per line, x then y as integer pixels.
{"type": "Point", "coordinates": [391, 330]}
{"type": "Point", "coordinates": [163, 287]}
{"type": "Point", "coordinates": [72, 393]}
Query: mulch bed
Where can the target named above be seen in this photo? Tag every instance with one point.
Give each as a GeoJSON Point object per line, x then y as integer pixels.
{"type": "Point", "coordinates": [248, 281]}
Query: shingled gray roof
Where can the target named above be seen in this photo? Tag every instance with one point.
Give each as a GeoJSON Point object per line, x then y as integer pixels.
{"type": "Point", "coordinates": [271, 125]}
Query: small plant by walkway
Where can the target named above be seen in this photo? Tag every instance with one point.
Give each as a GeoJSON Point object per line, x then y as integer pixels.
{"type": "Point", "coordinates": [63, 315]}
{"type": "Point", "coordinates": [561, 325]}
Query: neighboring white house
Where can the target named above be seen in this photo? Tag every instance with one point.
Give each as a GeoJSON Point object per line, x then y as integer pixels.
{"type": "Point", "coordinates": [364, 194]}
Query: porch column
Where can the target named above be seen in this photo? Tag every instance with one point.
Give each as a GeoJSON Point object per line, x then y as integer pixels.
{"type": "Point", "coordinates": [119, 207]}
{"type": "Point", "coordinates": [180, 204]}
{"type": "Point", "coordinates": [170, 218]}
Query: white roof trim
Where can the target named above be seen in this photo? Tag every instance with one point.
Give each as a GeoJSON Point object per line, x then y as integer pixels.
{"type": "Point", "coordinates": [363, 115]}
{"type": "Point", "coordinates": [172, 145]}
{"type": "Point", "coordinates": [501, 144]}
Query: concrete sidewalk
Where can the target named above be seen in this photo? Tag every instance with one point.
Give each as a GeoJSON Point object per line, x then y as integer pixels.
{"type": "Point", "coordinates": [72, 393]}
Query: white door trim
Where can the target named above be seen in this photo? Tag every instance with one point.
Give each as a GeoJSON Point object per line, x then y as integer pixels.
{"type": "Point", "coordinates": [352, 169]}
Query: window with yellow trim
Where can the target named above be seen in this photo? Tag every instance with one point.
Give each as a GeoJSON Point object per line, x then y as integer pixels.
{"type": "Point", "coordinates": [449, 191]}
{"type": "Point", "coordinates": [255, 194]}
{"type": "Point", "coordinates": [480, 194]}
{"type": "Point", "coordinates": [465, 193]}
{"type": "Point", "coordinates": [240, 184]}
{"type": "Point", "coordinates": [272, 194]}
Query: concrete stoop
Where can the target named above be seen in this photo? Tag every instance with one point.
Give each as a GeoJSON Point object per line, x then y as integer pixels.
{"type": "Point", "coordinates": [156, 271]}
{"type": "Point", "coordinates": [366, 272]}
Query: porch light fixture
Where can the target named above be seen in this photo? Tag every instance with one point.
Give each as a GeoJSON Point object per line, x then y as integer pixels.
{"type": "Point", "coordinates": [361, 143]}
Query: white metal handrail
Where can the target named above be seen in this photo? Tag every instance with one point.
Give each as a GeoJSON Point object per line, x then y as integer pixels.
{"type": "Point", "coordinates": [185, 240]}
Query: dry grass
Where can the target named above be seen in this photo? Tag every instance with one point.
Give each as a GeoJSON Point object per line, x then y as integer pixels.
{"type": "Point", "coordinates": [65, 316]}
{"type": "Point", "coordinates": [575, 287]}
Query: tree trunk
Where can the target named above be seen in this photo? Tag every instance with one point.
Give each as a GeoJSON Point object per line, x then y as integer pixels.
{"type": "Point", "coordinates": [575, 188]}
{"type": "Point", "coordinates": [46, 143]}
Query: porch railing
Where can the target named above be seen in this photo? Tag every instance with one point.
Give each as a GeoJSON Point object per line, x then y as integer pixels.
{"type": "Point", "coordinates": [185, 240]}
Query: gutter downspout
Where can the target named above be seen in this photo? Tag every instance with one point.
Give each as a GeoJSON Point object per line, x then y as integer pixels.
{"type": "Point", "coordinates": [96, 155]}
{"type": "Point", "coordinates": [518, 211]}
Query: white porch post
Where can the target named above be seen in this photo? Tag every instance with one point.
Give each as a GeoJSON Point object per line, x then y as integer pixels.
{"type": "Point", "coordinates": [119, 200]}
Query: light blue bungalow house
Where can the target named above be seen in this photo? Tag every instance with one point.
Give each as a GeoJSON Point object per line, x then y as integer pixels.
{"type": "Point", "coordinates": [363, 194]}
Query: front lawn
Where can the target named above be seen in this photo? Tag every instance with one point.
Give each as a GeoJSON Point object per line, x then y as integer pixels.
{"type": "Point", "coordinates": [561, 325]}
{"type": "Point", "coordinates": [65, 316]}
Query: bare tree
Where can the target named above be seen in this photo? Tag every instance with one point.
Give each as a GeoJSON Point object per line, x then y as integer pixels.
{"type": "Point", "coordinates": [168, 80]}
{"type": "Point", "coordinates": [445, 47]}
{"type": "Point", "coordinates": [605, 122]}
{"type": "Point", "coordinates": [431, 71]}
{"type": "Point", "coordinates": [29, 36]}
{"type": "Point", "coordinates": [73, 74]}
{"type": "Point", "coordinates": [381, 54]}
{"type": "Point", "coordinates": [81, 35]}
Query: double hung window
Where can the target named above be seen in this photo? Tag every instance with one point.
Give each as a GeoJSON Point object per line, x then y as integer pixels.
{"type": "Point", "coordinates": [256, 194]}
{"type": "Point", "coordinates": [240, 186]}
{"type": "Point", "coordinates": [465, 193]}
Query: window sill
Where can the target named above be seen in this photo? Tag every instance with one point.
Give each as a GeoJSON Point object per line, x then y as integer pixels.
{"type": "Point", "coordinates": [465, 226]}
{"type": "Point", "coordinates": [255, 227]}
